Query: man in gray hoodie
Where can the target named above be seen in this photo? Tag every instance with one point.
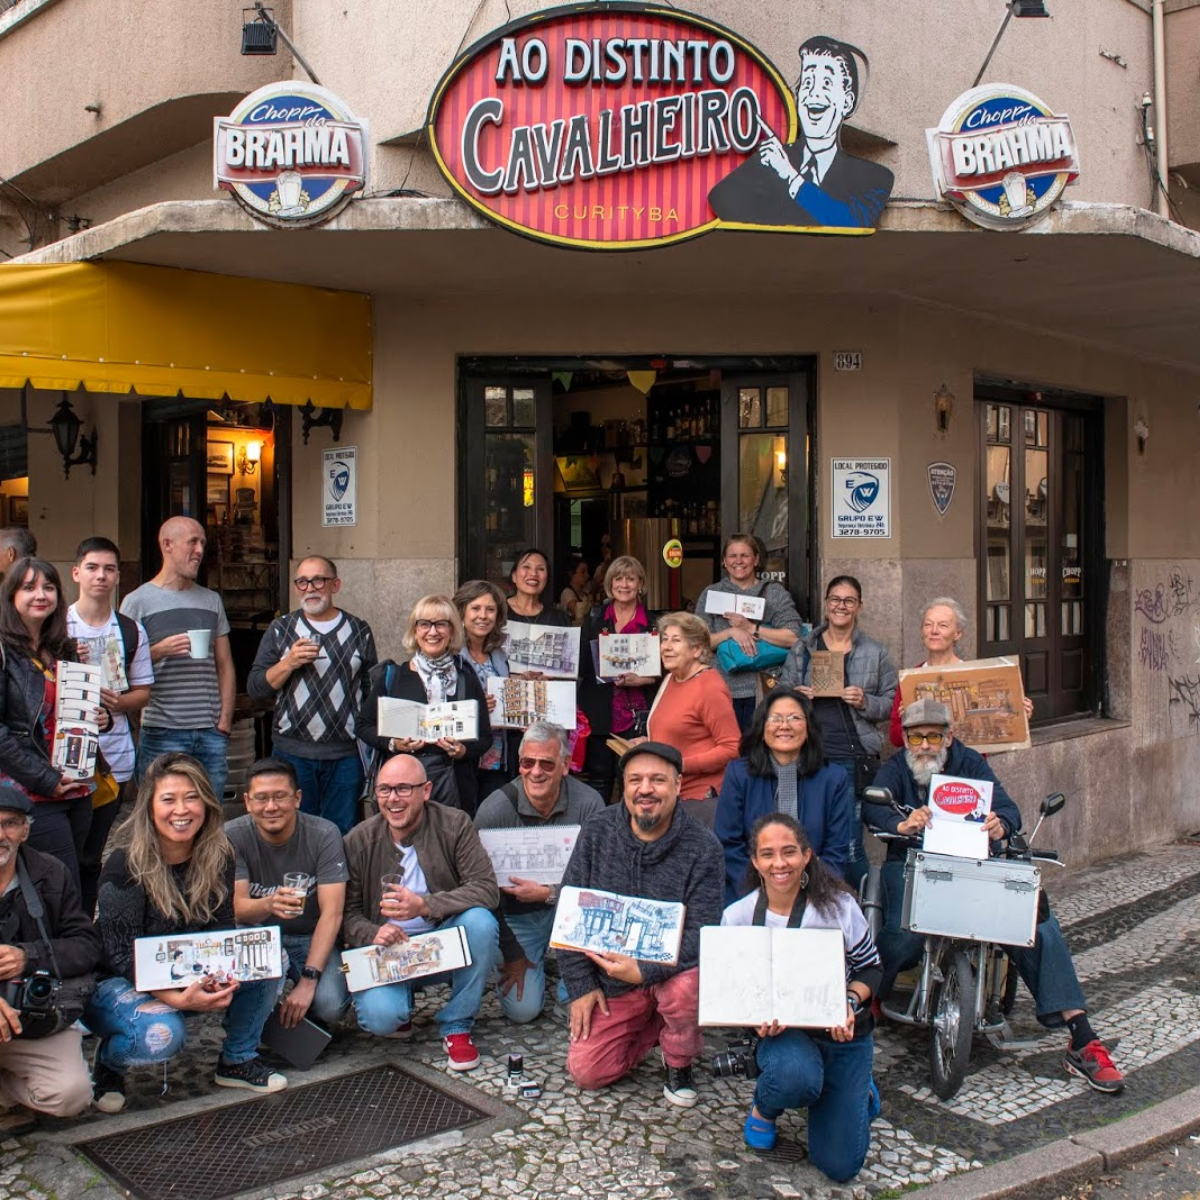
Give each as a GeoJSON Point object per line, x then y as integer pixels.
{"type": "Point", "coordinates": [622, 1007]}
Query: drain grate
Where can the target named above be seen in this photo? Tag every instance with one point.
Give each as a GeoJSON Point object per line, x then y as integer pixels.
{"type": "Point", "coordinates": [223, 1152]}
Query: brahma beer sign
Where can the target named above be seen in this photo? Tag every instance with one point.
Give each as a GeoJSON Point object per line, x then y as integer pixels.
{"type": "Point", "coordinates": [1002, 157]}
{"type": "Point", "coordinates": [618, 126]}
{"type": "Point", "coordinates": [291, 153]}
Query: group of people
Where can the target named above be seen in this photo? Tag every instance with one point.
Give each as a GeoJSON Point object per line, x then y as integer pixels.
{"type": "Point", "coordinates": [742, 802]}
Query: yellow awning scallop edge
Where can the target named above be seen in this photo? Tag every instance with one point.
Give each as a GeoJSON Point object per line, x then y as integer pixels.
{"type": "Point", "coordinates": [117, 327]}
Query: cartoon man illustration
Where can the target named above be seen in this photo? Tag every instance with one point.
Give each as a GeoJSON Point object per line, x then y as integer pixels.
{"type": "Point", "coordinates": [812, 181]}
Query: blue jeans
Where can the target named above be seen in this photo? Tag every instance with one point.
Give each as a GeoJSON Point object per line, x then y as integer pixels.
{"type": "Point", "coordinates": [330, 787]}
{"type": "Point", "coordinates": [743, 711]}
{"type": "Point", "coordinates": [135, 1029]}
{"type": "Point", "coordinates": [382, 1010]}
{"type": "Point", "coordinates": [828, 1078]}
{"type": "Point", "coordinates": [1046, 967]}
{"type": "Point", "coordinates": [332, 997]}
{"type": "Point", "coordinates": [207, 746]}
{"type": "Point", "coordinates": [532, 930]}
{"type": "Point", "coordinates": [856, 860]}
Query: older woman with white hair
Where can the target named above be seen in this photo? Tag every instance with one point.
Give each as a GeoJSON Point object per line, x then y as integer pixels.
{"type": "Point", "coordinates": [433, 675]}
{"type": "Point", "coordinates": [943, 624]}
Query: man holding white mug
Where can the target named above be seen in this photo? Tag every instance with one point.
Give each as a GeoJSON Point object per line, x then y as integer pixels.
{"type": "Point", "coordinates": [192, 697]}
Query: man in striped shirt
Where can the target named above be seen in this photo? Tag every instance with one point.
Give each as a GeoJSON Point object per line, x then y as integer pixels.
{"type": "Point", "coordinates": [192, 697]}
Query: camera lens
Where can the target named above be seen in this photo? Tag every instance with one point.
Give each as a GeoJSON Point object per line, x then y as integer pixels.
{"type": "Point", "coordinates": [38, 990]}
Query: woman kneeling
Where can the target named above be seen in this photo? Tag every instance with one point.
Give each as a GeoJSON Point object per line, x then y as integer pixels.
{"type": "Point", "coordinates": [175, 878]}
{"type": "Point", "coordinates": [826, 1071]}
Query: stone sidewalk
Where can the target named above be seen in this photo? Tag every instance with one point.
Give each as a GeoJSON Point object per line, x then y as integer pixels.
{"type": "Point", "coordinates": [1133, 926]}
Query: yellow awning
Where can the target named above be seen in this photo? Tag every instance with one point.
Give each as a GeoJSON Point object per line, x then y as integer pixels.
{"type": "Point", "coordinates": [113, 327]}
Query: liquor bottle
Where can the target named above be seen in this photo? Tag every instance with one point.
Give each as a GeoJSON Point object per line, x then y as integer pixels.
{"type": "Point", "coordinates": [685, 429]}
{"type": "Point", "coordinates": [670, 429]}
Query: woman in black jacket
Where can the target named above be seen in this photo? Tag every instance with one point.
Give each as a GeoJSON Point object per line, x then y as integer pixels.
{"type": "Point", "coordinates": [433, 675]}
{"type": "Point", "coordinates": [33, 640]}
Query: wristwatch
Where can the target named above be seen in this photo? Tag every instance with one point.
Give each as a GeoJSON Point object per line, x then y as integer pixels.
{"type": "Point", "coordinates": [856, 1005]}
{"type": "Point", "coordinates": [552, 899]}
{"type": "Point", "coordinates": [310, 973]}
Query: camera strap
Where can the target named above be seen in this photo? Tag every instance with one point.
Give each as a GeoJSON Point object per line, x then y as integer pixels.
{"type": "Point", "coordinates": [794, 918]}
{"type": "Point", "coordinates": [33, 902]}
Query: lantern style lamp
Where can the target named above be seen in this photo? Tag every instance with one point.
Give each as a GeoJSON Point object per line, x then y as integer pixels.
{"type": "Point", "coordinates": [66, 426]}
{"type": "Point", "coordinates": [249, 456]}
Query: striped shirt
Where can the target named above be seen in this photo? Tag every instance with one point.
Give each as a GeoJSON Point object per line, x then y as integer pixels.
{"type": "Point", "coordinates": [185, 694]}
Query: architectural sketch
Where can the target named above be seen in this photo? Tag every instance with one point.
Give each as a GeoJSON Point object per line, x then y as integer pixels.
{"type": "Point", "coordinates": [547, 649]}
{"type": "Point", "coordinates": [422, 954]}
{"type": "Point", "coordinates": [752, 975]}
{"type": "Point", "coordinates": [520, 702]}
{"type": "Point", "coordinates": [722, 604]}
{"type": "Point", "coordinates": [173, 962]}
{"type": "Point", "coordinates": [827, 676]}
{"type": "Point", "coordinates": [540, 853]}
{"type": "Point", "coordinates": [458, 719]}
{"type": "Point", "coordinates": [629, 654]}
{"type": "Point", "coordinates": [587, 919]}
{"type": "Point", "coordinates": [985, 698]}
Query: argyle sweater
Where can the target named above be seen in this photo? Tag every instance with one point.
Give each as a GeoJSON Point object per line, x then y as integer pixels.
{"type": "Point", "coordinates": [317, 709]}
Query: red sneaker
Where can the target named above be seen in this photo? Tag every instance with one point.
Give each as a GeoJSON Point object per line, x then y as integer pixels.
{"type": "Point", "coordinates": [1094, 1064]}
{"type": "Point", "coordinates": [460, 1052]}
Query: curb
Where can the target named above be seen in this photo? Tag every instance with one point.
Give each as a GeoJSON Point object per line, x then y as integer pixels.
{"type": "Point", "coordinates": [1047, 1171]}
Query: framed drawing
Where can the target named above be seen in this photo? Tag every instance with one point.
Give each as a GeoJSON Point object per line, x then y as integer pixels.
{"type": "Point", "coordinates": [18, 510]}
{"type": "Point", "coordinates": [985, 697]}
{"type": "Point", "coordinates": [220, 458]}
{"type": "Point", "coordinates": [218, 488]}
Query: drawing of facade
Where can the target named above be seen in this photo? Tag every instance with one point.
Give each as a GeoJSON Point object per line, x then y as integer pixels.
{"type": "Point", "coordinates": [624, 651]}
{"type": "Point", "coordinates": [535, 855]}
{"type": "Point", "coordinates": [395, 964]}
{"type": "Point", "coordinates": [525, 701]}
{"type": "Point", "coordinates": [634, 927]}
{"type": "Point", "coordinates": [549, 650]}
{"type": "Point", "coordinates": [982, 710]}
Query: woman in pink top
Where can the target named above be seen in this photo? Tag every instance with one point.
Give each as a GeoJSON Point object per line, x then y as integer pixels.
{"type": "Point", "coordinates": [693, 712]}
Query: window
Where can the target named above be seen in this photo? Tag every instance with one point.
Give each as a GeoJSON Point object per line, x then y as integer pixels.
{"type": "Point", "coordinates": [1040, 541]}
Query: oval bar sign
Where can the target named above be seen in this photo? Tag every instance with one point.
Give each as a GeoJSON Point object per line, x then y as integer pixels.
{"type": "Point", "coordinates": [607, 125]}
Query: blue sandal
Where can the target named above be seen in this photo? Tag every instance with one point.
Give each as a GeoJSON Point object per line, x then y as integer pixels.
{"type": "Point", "coordinates": [758, 1132]}
{"type": "Point", "coordinates": [874, 1103]}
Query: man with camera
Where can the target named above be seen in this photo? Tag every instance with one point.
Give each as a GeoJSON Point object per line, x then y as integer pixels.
{"type": "Point", "coordinates": [48, 949]}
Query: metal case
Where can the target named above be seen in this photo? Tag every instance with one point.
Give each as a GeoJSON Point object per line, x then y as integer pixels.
{"type": "Point", "coordinates": [985, 900]}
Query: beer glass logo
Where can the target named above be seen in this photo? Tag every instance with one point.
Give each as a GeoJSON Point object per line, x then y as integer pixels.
{"type": "Point", "coordinates": [863, 489]}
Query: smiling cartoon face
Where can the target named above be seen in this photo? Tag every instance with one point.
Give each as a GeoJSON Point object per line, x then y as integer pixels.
{"type": "Point", "coordinates": [824, 96]}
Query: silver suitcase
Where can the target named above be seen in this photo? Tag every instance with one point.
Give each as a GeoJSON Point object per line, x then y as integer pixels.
{"type": "Point", "coordinates": [986, 900]}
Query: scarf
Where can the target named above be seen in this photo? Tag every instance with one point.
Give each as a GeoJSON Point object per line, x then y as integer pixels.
{"type": "Point", "coordinates": [787, 796]}
{"type": "Point", "coordinates": [439, 675]}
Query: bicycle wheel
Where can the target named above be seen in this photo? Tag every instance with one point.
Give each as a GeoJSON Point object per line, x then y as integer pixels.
{"type": "Point", "coordinates": [1011, 978]}
{"type": "Point", "coordinates": [953, 1024]}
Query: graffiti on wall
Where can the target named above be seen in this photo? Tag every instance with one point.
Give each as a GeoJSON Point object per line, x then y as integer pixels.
{"type": "Point", "coordinates": [1186, 691]}
{"type": "Point", "coordinates": [1169, 640]}
{"type": "Point", "coordinates": [1154, 654]}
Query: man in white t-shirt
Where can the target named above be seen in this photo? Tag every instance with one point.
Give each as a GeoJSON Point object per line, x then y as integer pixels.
{"type": "Point", "coordinates": [104, 637]}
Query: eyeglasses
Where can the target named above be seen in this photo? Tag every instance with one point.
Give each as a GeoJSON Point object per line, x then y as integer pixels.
{"type": "Point", "coordinates": [385, 791]}
{"type": "Point", "coordinates": [846, 602]}
{"type": "Point", "coordinates": [914, 739]}
{"type": "Point", "coordinates": [316, 583]}
{"type": "Point", "coordinates": [423, 626]}
{"type": "Point", "coordinates": [546, 764]}
{"type": "Point", "coordinates": [265, 798]}
{"type": "Point", "coordinates": [12, 824]}
{"type": "Point", "coordinates": [787, 719]}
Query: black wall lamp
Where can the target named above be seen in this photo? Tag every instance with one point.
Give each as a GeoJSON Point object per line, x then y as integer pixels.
{"type": "Point", "coordinates": [330, 418]}
{"type": "Point", "coordinates": [66, 426]}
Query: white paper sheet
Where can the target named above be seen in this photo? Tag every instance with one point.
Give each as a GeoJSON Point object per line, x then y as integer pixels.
{"type": "Point", "coordinates": [721, 604]}
{"type": "Point", "coordinates": [959, 808]}
{"type": "Point", "coordinates": [537, 852]}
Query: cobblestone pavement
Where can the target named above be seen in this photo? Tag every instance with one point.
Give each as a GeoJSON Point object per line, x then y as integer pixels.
{"type": "Point", "coordinates": [1133, 927]}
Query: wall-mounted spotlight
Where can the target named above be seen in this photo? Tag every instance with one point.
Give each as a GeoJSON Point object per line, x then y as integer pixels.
{"type": "Point", "coordinates": [330, 418]}
{"type": "Point", "coordinates": [248, 458]}
{"type": "Point", "coordinates": [66, 426]}
{"type": "Point", "coordinates": [260, 34]}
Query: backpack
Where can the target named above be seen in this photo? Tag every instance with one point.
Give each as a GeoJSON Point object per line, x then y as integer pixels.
{"type": "Point", "coordinates": [129, 639]}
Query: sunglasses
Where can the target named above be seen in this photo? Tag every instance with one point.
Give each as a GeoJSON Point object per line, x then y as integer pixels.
{"type": "Point", "coordinates": [915, 739]}
{"type": "Point", "coordinates": [546, 764]}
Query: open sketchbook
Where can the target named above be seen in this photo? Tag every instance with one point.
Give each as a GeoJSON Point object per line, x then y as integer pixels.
{"type": "Point", "coordinates": [458, 719]}
{"type": "Point", "coordinates": [76, 734]}
{"type": "Point", "coordinates": [620, 654]}
{"type": "Point", "coordinates": [520, 702]}
{"type": "Point", "coordinates": [752, 975]}
{"type": "Point", "coordinates": [174, 960]}
{"type": "Point", "coordinates": [724, 604]}
{"type": "Point", "coordinates": [588, 919]}
{"type": "Point", "coordinates": [550, 650]}
{"type": "Point", "coordinates": [423, 954]}
{"type": "Point", "coordinates": [537, 852]}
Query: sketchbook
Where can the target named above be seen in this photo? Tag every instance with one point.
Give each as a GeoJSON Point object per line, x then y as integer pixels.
{"type": "Point", "coordinates": [422, 954]}
{"type": "Point", "coordinates": [173, 961]}
{"type": "Point", "coordinates": [588, 919]}
{"type": "Point", "coordinates": [520, 702]}
{"type": "Point", "coordinates": [458, 719]}
{"type": "Point", "coordinates": [540, 853]}
{"type": "Point", "coordinates": [959, 808]}
{"type": "Point", "coordinates": [629, 654]}
{"type": "Point", "coordinates": [723, 604]}
{"type": "Point", "coordinates": [76, 734]}
{"type": "Point", "coordinates": [549, 650]}
{"type": "Point", "coordinates": [752, 975]}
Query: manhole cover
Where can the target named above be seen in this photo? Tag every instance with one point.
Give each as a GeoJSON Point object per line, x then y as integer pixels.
{"type": "Point", "coordinates": [225, 1151]}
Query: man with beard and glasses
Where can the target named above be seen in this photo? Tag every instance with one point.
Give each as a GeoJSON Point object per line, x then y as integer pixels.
{"type": "Point", "coordinates": [314, 663]}
{"type": "Point", "coordinates": [621, 1007]}
{"type": "Point", "coordinates": [1046, 967]}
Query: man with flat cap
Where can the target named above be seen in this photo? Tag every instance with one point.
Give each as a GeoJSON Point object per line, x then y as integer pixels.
{"type": "Point", "coordinates": [621, 1008]}
{"type": "Point", "coordinates": [1046, 967]}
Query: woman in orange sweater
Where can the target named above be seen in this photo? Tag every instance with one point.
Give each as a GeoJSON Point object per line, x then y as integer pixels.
{"type": "Point", "coordinates": [693, 712]}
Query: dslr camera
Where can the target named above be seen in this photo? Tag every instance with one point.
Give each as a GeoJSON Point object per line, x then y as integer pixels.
{"type": "Point", "coordinates": [36, 1000]}
{"type": "Point", "coordinates": [739, 1059]}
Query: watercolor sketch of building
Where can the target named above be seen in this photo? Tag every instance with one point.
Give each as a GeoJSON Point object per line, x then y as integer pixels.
{"type": "Point", "coordinates": [530, 852]}
{"type": "Point", "coordinates": [405, 960]}
{"type": "Point", "coordinates": [547, 648]}
{"type": "Point", "coordinates": [629, 653]}
{"type": "Point", "coordinates": [984, 711]}
{"type": "Point", "coordinates": [457, 719]}
{"type": "Point", "coordinates": [520, 702]}
{"type": "Point", "coordinates": [649, 930]}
